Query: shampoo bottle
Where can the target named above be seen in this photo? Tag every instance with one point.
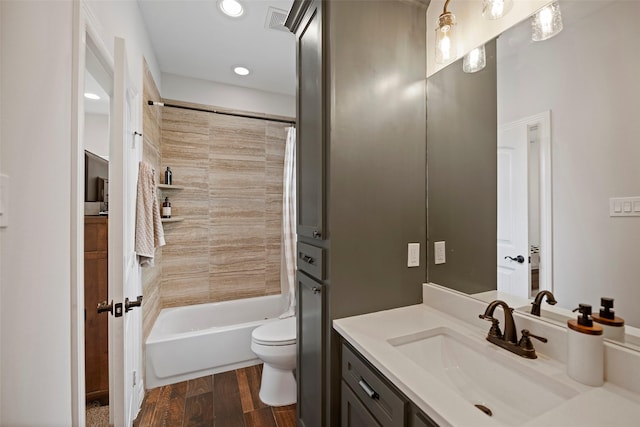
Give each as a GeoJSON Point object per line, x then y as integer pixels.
{"type": "Point", "coordinates": [168, 176]}
{"type": "Point", "coordinates": [613, 326]}
{"type": "Point", "coordinates": [585, 349]}
{"type": "Point", "coordinates": [166, 208]}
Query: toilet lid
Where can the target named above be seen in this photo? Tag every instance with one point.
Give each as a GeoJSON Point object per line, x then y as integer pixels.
{"type": "Point", "coordinates": [279, 332]}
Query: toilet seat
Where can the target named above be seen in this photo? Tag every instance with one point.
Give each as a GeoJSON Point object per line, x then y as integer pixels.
{"type": "Point", "coordinates": [277, 333]}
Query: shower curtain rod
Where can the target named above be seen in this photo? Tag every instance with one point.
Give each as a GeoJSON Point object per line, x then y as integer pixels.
{"type": "Point", "coordinates": [225, 113]}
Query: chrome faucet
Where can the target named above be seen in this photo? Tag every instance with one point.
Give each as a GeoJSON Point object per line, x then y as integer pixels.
{"type": "Point", "coordinates": [509, 340]}
{"type": "Point", "coordinates": [537, 302]}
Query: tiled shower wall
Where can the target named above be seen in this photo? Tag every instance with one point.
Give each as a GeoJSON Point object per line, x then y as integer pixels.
{"type": "Point", "coordinates": [231, 168]}
{"type": "Point", "coordinates": [151, 122]}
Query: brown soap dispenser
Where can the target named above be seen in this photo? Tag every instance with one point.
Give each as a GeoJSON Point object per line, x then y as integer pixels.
{"type": "Point", "coordinates": [612, 325]}
{"type": "Point", "coordinates": [585, 349]}
{"type": "Point", "coordinates": [166, 208]}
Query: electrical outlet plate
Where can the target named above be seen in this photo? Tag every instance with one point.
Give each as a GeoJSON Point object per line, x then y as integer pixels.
{"type": "Point", "coordinates": [413, 255]}
{"type": "Point", "coordinates": [624, 206]}
{"type": "Point", "coordinates": [439, 252]}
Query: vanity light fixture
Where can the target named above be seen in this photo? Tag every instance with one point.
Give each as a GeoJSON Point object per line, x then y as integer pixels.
{"type": "Point", "coordinates": [475, 60]}
{"type": "Point", "coordinates": [546, 23]}
{"type": "Point", "coordinates": [90, 95]}
{"type": "Point", "coordinates": [445, 36]}
{"type": "Point", "coordinates": [231, 8]}
{"type": "Point", "coordinates": [241, 71]}
{"type": "Point", "coordinates": [496, 9]}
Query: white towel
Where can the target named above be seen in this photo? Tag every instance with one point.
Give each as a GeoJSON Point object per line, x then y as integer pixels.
{"type": "Point", "coordinates": [149, 231]}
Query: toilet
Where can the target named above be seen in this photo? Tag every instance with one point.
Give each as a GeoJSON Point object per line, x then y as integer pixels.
{"type": "Point", "coordinates": [275, 344]}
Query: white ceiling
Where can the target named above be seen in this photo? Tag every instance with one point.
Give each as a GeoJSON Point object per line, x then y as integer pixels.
{"type": "Point", "coordinates": [194, 38]}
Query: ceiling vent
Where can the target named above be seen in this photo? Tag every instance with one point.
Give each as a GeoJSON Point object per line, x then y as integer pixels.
{"type": "Point", "coordinates": [276, 19]}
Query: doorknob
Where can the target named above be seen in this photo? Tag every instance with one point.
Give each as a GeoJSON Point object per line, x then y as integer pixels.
{"type": "Point", "coordinates": [519, 258]}
{"type": "Point", "coordinates": [104, 306]}
{"type": "Point", "coordinates": [130, 305]}
{"type": "Point", "coordinates": [114, 309]}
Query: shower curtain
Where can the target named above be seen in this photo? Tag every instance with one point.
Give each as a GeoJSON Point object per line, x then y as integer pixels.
{"type": "Point", "coordinates": [288, 264]}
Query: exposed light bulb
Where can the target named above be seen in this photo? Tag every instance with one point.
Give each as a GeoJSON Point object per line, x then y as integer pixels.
{"type": "Point", "coordinates": [547, 22]}
{"type": "Point", "coordinates": [475, 60]}
{"type": "Point", "coordinates": [495, 9]}
{"type": "Point", "coordinates": [445, 37]}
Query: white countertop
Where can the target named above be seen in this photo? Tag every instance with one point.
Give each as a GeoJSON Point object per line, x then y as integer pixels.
{"type": "Point", "coordinates": [369, 334]}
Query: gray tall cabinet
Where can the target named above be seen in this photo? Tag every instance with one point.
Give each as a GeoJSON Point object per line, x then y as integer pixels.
{"type": "Point", "coordinates": [361, 161]}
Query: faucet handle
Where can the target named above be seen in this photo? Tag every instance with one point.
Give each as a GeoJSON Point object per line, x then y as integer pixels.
{"type": "Point", "coordinates": [525, 341]}
{"type": "Point", "coordinates": [495, 325]}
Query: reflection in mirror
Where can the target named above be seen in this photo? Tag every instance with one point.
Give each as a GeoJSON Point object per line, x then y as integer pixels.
{"type": "Point", "coordinates": [586, 80]}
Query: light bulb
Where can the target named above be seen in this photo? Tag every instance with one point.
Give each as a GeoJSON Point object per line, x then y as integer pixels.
{"type": "Point", "coordinates": [445, 38]}
{"type": "Point", "coordinates": [495, 9]}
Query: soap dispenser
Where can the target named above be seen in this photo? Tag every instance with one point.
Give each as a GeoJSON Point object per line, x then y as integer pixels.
{"type": "Point", "coordinates": [612, 325]}
{"type": "Point", "coordinates": [585, 349]}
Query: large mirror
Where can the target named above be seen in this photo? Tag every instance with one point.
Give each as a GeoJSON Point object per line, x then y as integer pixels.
{"type": "Point", "coordinates": [573, 100]}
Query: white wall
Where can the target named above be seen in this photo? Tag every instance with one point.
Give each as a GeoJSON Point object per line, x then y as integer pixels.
{"type": "Point", "coordinates": [96, 134]}
{"type": "Point", "coordinates": [35, 248]}
{"type": "Point", "coordinates": [588, 79]}
{"type": "Point", "coordinates": [227, 96]}
{"type": "Point", "coordinates": [35, 137]}
{"type": "Point", "coordinates": [473, 29]}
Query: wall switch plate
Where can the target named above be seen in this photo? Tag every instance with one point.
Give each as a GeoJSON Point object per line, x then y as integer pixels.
{"type": "Point", "coordinates": [624, 206]}
{"type": "Point", "coordinates": [413, 255]}
{"type": "Point", "coordinates": [439, 252]}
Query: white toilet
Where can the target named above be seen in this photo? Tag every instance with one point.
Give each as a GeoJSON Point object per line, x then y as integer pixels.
{"type": "Point", "coordinates": [275, 344]}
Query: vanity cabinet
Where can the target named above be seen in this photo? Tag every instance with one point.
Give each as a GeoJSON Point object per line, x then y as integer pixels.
{"type": "Point", "coordinates": [361, 150]}
{"type": "Point", "coordinates": [369, 399]}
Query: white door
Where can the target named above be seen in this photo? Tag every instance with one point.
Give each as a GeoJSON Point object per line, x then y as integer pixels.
{"type": "Point", "coordinates": [513, 242]}
{"type": "Point", "coordinates": [124, 278]}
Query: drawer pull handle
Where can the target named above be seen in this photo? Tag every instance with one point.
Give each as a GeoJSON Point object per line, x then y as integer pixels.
{"type": "Point", "coordinates": [367, 389]}
{"type": "Point", "coordinates": [307, 258]}
{"type": "Point", "coordinates": [316, 290]}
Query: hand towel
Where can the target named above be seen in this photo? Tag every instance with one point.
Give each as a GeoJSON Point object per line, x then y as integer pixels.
{"type": "Point", "coordinates": [149, 231]}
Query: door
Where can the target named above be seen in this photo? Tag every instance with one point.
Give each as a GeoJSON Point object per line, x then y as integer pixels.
{"type": "Point", "coordinates": [513, 240]}
{"type": "Point", "coordinates": [310, 363]}
{"type": "Point", "coordinates": [124, 275]}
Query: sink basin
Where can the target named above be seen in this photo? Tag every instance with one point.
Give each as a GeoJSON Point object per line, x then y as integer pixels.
{"type": "Point", "coordinates": [484, 375]}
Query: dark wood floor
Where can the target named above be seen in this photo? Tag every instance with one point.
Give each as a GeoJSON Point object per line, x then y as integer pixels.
{"type": "Point", "coordinates": [228, 399]}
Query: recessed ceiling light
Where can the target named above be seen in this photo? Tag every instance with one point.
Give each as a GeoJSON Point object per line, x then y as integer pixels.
{"type": "Point", "coordinates": [231, 8]}
{"type": "Point", "coordinates": [241, 71]}
{"type": "Point", "coordinates": [90, 95]}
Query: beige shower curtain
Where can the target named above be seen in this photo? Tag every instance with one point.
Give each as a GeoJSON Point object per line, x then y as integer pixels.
{"type": "Point", "coordinates": [288, 265]}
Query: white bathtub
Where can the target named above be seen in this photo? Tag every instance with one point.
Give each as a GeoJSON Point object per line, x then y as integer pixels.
{"type": "Point", "coordinates": [204, 339]}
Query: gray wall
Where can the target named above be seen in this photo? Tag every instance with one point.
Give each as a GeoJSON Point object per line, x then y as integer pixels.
{"type": "Point", "coordinates": [376, 154]}
{"type": "Point", "coordinates": [461, 175]}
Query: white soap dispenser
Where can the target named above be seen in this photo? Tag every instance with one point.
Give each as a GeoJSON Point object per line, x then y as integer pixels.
{"type": "Point", "coordinates": [612, 325]}
{"type": "Point", "coordinates": [585, 349]}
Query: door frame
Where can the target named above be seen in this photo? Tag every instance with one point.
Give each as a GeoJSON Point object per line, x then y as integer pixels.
{"type": "Point", "coordinates": [85, 33]}
{"type": "Point", "coordinates": [543, 120]}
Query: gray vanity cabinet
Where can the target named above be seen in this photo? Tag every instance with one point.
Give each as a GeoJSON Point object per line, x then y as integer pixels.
{"type": "Point", "coordinates": [361, 153]}
{"type": "Point", "coordinates": [369, 399]}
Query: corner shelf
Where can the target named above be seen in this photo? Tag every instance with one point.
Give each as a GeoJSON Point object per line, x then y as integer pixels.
{"type": "Point", "coordinates": [170, 187]}
{"type": "Point", "coordinates": [173, 219]}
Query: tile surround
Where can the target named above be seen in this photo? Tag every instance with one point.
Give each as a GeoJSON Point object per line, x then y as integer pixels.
{"type": "Point", "coordinates": [231, 168]}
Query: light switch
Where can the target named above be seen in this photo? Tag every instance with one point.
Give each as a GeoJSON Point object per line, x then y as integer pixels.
{"type": "Point", "coordinates": [624, 206]}
{"type": "Point", "coordinates": [413, 255]}
{"type": "Point", "coordinates": [439, 252]}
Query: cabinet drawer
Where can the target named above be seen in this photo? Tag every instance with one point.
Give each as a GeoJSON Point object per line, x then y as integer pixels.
{"type": "Point", "coordinates": [311, 260]}
{"type": "Point", "coordinates": [381, 400]}
{"type": "Point", "coordinates": [353, 412]}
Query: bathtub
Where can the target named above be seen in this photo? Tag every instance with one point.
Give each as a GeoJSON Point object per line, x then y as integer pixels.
{"type": "Point", "coordinates": [204, 339]}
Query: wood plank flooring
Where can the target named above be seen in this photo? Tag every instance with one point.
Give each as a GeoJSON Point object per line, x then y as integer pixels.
{"type": "Point", "coordinates": [228, 399]}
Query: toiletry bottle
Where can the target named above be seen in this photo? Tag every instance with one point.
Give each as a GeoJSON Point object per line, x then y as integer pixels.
{"type": "Point", "coordinates": [168, 176]}
{"type": "Point", "coordinates": [585, 349]}
{"type": "Point", "coordinates": [613, 326]}
{"type": "Point", "coordinates": [166, 208]}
